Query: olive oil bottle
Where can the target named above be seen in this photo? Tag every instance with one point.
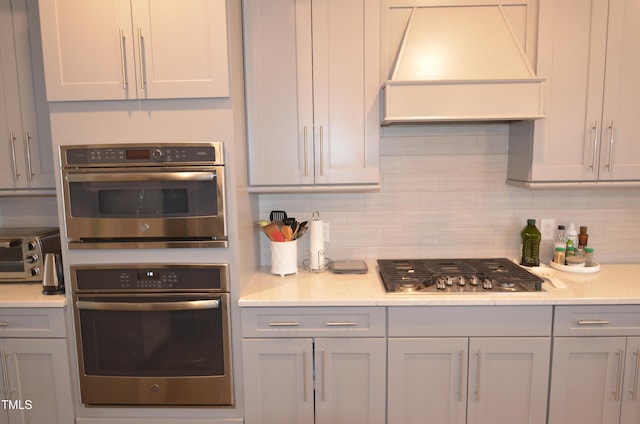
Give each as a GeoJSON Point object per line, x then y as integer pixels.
{"type": "Point", "coordinates": [530, 244]}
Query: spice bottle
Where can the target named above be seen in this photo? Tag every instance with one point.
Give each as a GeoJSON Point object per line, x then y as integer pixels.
{"type": "Point", "coordinates": [588, 256]}
{"type": "Point", "coordinates": [558, 255]}
{"type": "Point", "coordinates": [530, 236]}
{"type": "Point", "coordinates": [583, 237]}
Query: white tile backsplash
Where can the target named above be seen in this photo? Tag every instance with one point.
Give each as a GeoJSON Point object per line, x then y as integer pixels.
{"type": "Point", "coordinates": [443, 195]}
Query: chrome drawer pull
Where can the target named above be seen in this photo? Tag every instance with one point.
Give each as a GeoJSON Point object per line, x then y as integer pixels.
{"type": "Point", "coordinates": [284, 324]}
{"type": "Point", "coordinates": [594, 322]}
{"type": "Point", "coordinates": [4, 323]}
{"type": "Point", "coordinates": [340, 324]}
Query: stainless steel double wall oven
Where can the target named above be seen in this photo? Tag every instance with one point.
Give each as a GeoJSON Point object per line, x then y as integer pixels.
{"type": "Point", "coordinates": [144, 195]}
{"type": "Point", "coordinates": [149, 334]}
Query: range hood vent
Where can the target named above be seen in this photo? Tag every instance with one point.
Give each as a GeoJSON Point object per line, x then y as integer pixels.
{"type": "Point", "coordinates": [460, 63]}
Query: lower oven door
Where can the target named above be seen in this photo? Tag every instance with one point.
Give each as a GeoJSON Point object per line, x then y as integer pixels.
{"type": "Point", "coordinates": [154, 350]}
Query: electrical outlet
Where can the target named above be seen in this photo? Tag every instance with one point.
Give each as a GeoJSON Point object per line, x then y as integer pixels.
{"type": "Point", "coordinates": [325, 232]}
{"type": "Point", "coordinates": [547, 228]}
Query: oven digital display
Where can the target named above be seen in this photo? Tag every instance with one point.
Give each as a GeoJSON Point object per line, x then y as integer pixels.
{"type": "Point", "coordinates": [147, 275]}
{"type": "Point", "coordinates": [138, 154]}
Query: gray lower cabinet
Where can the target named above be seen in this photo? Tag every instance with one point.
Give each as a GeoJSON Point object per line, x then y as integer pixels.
{"type": "Point", "coordinates": [596, 365]}
{"type": "Point", "coordinates": [34, 361]}
{"type": "Point", "coordinates": [314, 365]}
{"type": "Point", "coordinates": [462, 365]}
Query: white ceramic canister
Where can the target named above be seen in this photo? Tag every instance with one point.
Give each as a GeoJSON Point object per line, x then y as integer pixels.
{"type": "Point", "coordinates": [284, 257]}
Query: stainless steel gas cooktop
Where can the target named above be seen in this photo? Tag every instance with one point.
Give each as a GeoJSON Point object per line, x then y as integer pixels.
{"type": "Point", "coordinates": [465, 276]}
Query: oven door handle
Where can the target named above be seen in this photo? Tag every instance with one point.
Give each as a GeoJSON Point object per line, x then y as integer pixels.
{"type": "Point", "coordinates": [151, 306]}
{"type": "Point", "coordinates": [141, 176]}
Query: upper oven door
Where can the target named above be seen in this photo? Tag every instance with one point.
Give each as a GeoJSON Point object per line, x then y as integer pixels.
{"type": "Point", "coordinates": [163, 203]}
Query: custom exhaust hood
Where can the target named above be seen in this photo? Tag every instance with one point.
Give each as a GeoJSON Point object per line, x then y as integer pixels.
{"type": "Point", "coordinates": [460, 63]}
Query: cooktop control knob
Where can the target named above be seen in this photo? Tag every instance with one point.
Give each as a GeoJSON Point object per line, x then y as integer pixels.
{"type": "Point", "coordinates": [487, 284]}
{"type": "Point", "coordinates": [474, 280]}
{"type": "Point", "coordinates": [462, 281]}
{"type": "Point", "coordinates": [441, 283]}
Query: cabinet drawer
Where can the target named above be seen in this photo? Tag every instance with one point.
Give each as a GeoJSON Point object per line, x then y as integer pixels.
{"type": "Point", "coordinates": [597, 320]}
{"type": "Point", "coordinates": [312, 322]}
{"type": "Point", "coordinates": [32, 322]}
{"type": "Point", "coordinates": [470, 321]}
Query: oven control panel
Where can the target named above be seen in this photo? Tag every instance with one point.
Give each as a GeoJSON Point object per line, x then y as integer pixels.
{"type": "Point", "coordinates": [143, 154]}
{"type": "Point", "coordinates": [149, 278]}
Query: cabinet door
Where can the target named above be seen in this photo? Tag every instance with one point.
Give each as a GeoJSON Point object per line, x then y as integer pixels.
{"type": "Point", "coordinates": [278, 381]}
{"type": "Point", "coordinates": [350, 381]}
{"type": "Point", "coordinates": [571, 56]}
{"type": "Point", "coordinates": [279, 92]}
{"type": "Point", "coordinates": [427, 380]}
{"type": "Point", "coordinates": [508, 380]}
{"type": "Point", "coordinates": [88, 49]}
{"type": "Point", "coordinates": [39, 379]}
{"type": "Point", "coordinates": [346, 85]}
{"type": "Point", "coordinates": [182, 48]}
{"type": "Point", "coordinates": [26, 161]}
{"type": "Point", "coordinates": [620, 150]}
{"type": "Point", "coordinates": [630, 396]}
{"type": "Point", "coordinates": [586, 380]}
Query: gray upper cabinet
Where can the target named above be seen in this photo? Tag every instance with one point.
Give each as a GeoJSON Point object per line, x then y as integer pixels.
{"type": "Point", "coordinates": [26, 162]}
{"type": "Point", "coordinates": [134, 49]}
{"type": "Point", "coordinates": [589, 53]}
{"type": "Point", "coordinates": [312, 90]}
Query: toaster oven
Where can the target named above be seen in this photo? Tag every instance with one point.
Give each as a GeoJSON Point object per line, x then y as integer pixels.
{"type": "Point", "coordinates": [22, 252]}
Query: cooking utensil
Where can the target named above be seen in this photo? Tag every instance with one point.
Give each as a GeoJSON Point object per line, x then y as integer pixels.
{"type": "Point", "coordinates": [277, 216]}
{"type": "Point", "coordinates": [287, 232]}
{"type": "Point", "coordinates": [302, 229]}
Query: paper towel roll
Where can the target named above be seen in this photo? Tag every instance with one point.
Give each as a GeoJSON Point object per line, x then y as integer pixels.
{"type": "Point", "coordinates": [316, 245]}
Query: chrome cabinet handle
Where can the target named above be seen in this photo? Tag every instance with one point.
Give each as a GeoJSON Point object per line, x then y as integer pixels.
{"type": "Point", "coordinates": [611, 140]}
{"type": "Point", "coordinates": [322, 374]}
{"type": "Point", "coordinates": [306, 152]}
{"type": "Point", "coordinates": [143, 82]}
{"type": "Point", "coordinates": [595, 129]}
{"type": "Point", "coordinates": [594, 322]}
{"type": "Point", "coordinates": [12, 142]}
{"type": "Point", "coordinates": [4, 323]}
{"type": "Point", "coordinates": [321, 150]}
{"type": "Point", "coordinates": [284, 324]}
{"type": "Point", "coordinates": [617, 391]}
{"type": "Point", "coordinates": [634, 390]}
{"type": "Point", "coordinates": [479, 356]}
{"type": "Point", "coordinates": [341, 324]}
{"type": "Point", "coordinates": [122, 61]}
{"type": "Point", "coordinates": [5, 374]}
{"type": "Point", "coordinates": [152, 306]}
{"type": "Point", "coordinates": [461, 382]}
{"type": "Point", "coordinates": [27, 141]}
{"type": "Point", "coordinates": [304, 375]}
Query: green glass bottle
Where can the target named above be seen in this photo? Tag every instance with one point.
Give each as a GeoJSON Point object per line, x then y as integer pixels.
{"type": "Point", "coordinates": [530, 244]}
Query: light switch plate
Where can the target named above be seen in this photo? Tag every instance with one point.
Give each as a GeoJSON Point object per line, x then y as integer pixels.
{"type": "Point", "coordinates": [547, 228]}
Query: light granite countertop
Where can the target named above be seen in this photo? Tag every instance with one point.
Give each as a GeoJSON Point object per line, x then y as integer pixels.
{"type": "Point", "coordinates": [613, 284]}
{"type": "Point", "coordinates": [28, 295]}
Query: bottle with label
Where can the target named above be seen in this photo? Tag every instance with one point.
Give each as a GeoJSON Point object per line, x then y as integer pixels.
{"type": "Point", "coordinates": [561, 238]}
{"type": "Point", "coordinates": [558, 255]}
{"type": "Point", "coordinates": [583, 238]}
{"type": "Point", "coordinates": [530, 236]}
{"type": "Point", "coordinates": [572, 236]}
